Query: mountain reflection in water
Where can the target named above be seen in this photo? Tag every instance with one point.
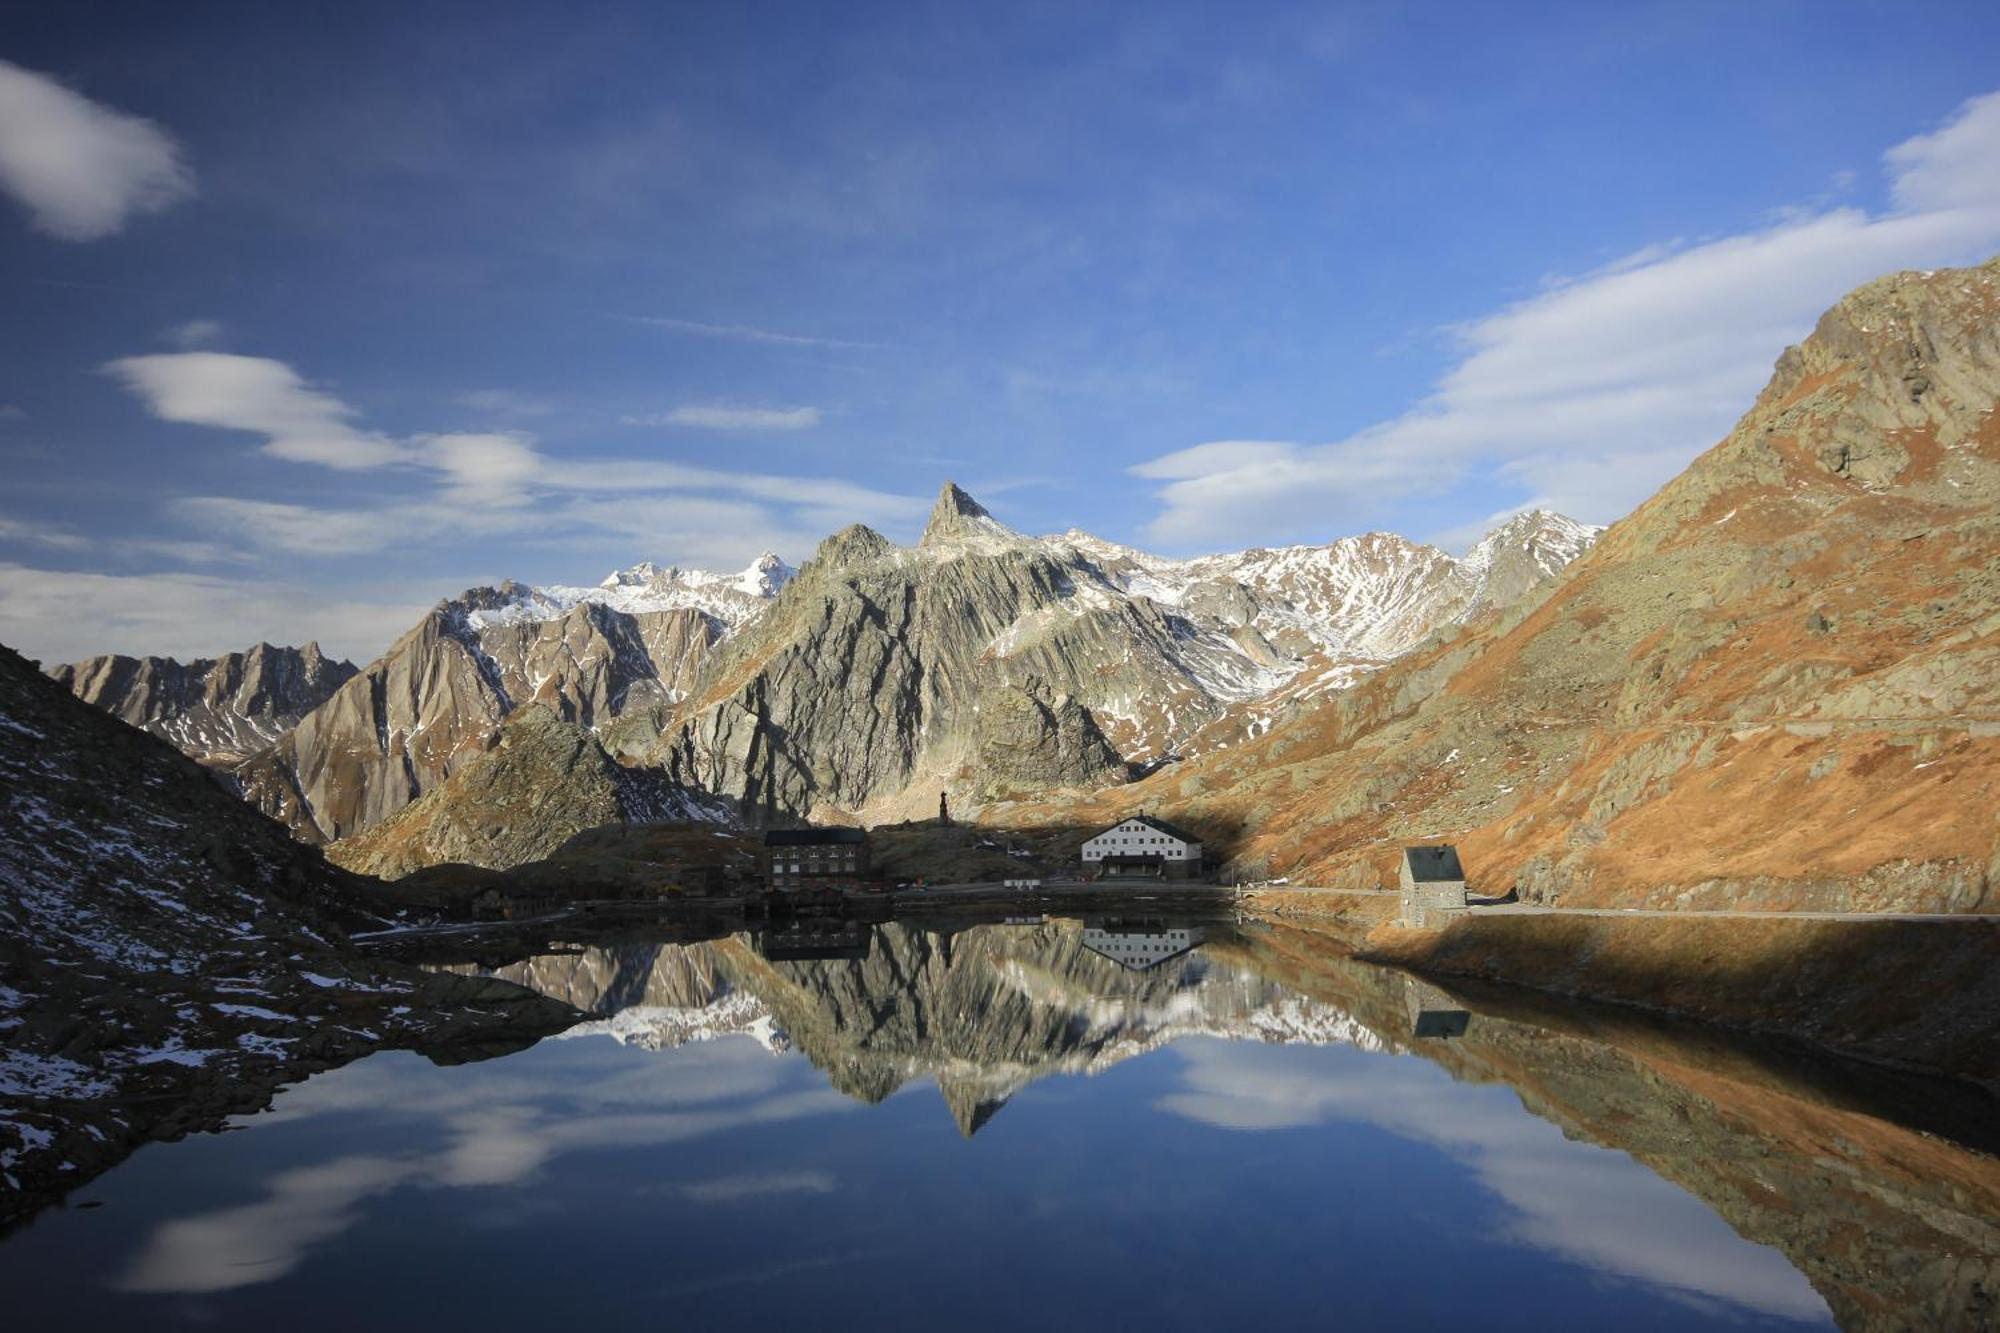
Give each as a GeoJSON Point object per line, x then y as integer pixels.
{"type": "Point", "coordinates": [1315, 1135]}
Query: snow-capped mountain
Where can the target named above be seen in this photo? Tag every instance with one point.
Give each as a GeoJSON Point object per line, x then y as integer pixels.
{"type": "Point", "coordinates": [981, 661]}
{"type": "Point", "coordinates": [992, 664]}
{"type": "Point", "coordinates": [646, 587]}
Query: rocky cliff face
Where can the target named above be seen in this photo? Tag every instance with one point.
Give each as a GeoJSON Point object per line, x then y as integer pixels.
{"type": "Point", "coordinates": [983, 662]}
{"type": "Point", "coordinates": [438, 696]}
{"type": "Point", "coordinates": [540, 783]}
{"type": "Point", "coordinates": [167, 954]}
{"type": "Point", "coordinates": [216, 710]}
{"type": "Point", "coordinates": [1776, 684]}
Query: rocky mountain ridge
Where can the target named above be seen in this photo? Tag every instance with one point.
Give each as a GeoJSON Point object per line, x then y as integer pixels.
{"type": "Point", "coordinates": [216, 710]}
{"type": "Point", "coordinates": [867, 687]}
{"type": "Point", "coordinates": [980, 661]}
{"type": "Point", "coordinates": [1792, 649]}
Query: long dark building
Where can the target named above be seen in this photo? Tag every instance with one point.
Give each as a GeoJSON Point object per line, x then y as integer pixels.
{"type": "Point", "coordinates": [799, 859]}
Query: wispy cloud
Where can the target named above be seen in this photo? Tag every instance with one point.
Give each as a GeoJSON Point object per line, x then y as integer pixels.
{"type": "Point", "coordinates": [504, 402]}
{"type": "Point", "coordinates": [483, 485]}
{"type": "Point", "coordinates": [9, 412]}
{"type": "Point", "coordinates": [254, 394]}
{"type": "Point", "coordinates": [80, 168]}
{"type": "Point", "coordinates": [1590, 395]}
{"type": "Point", "coordinates": [729, 1189]}
{"type": "Point", "coordinates": [62, 615]}
{"type": "Point", "coordinates": [29, 533]}
{"type": "Point", "coordinates": [195, 333]}
{"type": "Point", "coordinates": [751, 334]}
{"type": "Point", "coordinates": [717, 416]}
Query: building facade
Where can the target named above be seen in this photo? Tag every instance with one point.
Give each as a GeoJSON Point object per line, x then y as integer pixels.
{"type": "Point", "coordinates": [1433, 884]}
{"type": "Point", "coordinates": [1143, 847]}
{"type": "Point", "coordinates": [800, 860]}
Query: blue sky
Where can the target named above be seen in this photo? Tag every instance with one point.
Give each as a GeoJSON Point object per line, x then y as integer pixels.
{"type": "Point", "coordinates": [316, 316]}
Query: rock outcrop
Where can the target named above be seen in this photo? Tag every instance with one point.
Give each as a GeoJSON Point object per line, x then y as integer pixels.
{"type": "Point", "coordinates": [217, 710]}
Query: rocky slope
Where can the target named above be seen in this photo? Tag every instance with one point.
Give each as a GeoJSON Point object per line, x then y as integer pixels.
{"type": "Point", "coordinates": [866, 688]}
{"type": "Point", "coordinates": [217, 710]}
{"type": "Point", "coordinates": [1775, 684]}
{"type": "Point", "coordinates": [614, 658]}
{"type": "Point", "coordinates": [169, 956]}
{"type": "Point", "coordinates": [542, 782]}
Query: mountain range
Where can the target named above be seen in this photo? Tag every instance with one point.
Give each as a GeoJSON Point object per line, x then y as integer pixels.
{"type": "Point", "coordinates": [217, 710]}
{"type": "Point", "coordinates": [981, 662]}
{"type": "Point", "coordinates": [1773, 685]}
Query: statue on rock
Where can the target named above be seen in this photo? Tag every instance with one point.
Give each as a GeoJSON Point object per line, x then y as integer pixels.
{"type": "Point", "coordinates": [944, 811]}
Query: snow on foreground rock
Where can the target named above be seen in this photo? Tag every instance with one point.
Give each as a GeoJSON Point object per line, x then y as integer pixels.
{"type": "Point", "coordinates": [167, 955]}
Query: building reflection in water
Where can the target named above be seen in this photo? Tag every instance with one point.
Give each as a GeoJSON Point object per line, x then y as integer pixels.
{"type": "Point", "coordinates": [810, 939]}
{"type": "Point", "coordinates": [1140, 943]}
{"type": "Point", "coordinates": [1434, 1013]}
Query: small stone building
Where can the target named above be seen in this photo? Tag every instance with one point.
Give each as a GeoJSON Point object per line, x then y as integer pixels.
{"type": "Point", "coordinates": [1433, 883]}
{"type": "Point", "coordinates": [1143, 847]}
{"type": "Point", "coordinates": [803, 859]}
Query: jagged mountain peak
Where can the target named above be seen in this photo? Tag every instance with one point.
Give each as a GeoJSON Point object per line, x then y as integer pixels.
{"type": "Point", "coordinates": [959, 520]}
{"type": "Point", "coordinates": [855, 542]}
{"type": "Point", "coordinates": [214, 709]}
{"type": "Point", "coordinates": [1550, 539]}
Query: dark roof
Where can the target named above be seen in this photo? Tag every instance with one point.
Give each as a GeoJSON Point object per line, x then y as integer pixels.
{"type": "Point", "coordinates": [812, 837]}
{"type": "Point", "coordinates": [1431, 864]}
{"type": "Point", "coordinates": [1158, 826]}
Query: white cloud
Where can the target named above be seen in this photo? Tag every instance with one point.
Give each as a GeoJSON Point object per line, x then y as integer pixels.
{"type": "Point", "coordinates": [483, 469]}
{"type": "Point", "coordinates": [720, 417]}
{"type": "Point", "coordinates": [64, 615]}
{"type": "Point", "coordinates": [195, 333]}
{"type": "Point", "coordinates": [1588, 397]}
{"type": "Point", "coordinates": [80, 168]}
{"type": "Point", "coordinates": [482, 483]}
{"type": "Point", "coordinates": [251, 393]}
{"type": "Point", "coordinates": [9, 412]}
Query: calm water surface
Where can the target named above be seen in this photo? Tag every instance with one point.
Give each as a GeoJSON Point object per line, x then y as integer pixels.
{"type": "Point", "coordinates": [1046, 1125]}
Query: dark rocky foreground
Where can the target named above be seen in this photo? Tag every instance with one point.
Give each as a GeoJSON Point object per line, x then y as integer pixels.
{"type": "Point", "coordinates": [170, 957]}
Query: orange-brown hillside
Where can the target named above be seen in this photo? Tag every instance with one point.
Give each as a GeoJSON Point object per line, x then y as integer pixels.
{"type": "Point", "coordinates": [1777, 683]}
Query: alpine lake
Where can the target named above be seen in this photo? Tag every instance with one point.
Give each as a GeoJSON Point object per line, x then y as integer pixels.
{"type": "Point", "coordinates": [1050, 1123]}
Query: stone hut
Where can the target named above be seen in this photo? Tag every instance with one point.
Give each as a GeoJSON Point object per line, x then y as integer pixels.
{"type": "Point", "coordinates": [1433, 884]}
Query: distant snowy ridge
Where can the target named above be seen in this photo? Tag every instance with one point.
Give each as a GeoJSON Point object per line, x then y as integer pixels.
{"type": "Point", "coordinates": [734, 599]}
